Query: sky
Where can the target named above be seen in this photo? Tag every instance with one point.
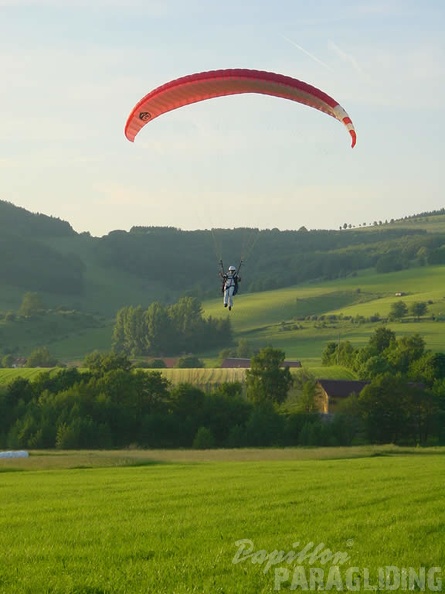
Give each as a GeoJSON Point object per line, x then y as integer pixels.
{"type": "Point", "coordinates": [72, 70]}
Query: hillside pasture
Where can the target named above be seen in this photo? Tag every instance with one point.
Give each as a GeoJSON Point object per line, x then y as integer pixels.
{"type": "Point", "coordinates": [65, 333]}
{"type": "Point", "coordinates": [289, 318]}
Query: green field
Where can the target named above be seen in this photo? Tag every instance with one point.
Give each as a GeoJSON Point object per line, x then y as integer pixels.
{"type": "Point", "coordinates": [168, 522]}
{"type": "Point", "coordinates": [268, 317]}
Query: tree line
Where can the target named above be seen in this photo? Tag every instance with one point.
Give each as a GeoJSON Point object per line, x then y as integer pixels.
{"type": "Point", "coordinates": [405, 398]}
{"type": "Point", "coordinates": [113, 405]}
{"type": "Point", "coordinates": [186, 262]}
{"type": "Point", "coordinates": [168, 329]}
{"type": "Point", "coordinates": [385, 353]}
{"type": "Point", "coordinates": [170, 255]}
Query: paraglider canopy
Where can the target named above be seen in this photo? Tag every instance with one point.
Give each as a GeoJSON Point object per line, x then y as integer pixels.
{"type": "Point", "coordinates": [218, 83]}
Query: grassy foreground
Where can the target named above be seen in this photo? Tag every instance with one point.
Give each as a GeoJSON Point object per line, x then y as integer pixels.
{"type": "Point", "coordinates": [168, 522]}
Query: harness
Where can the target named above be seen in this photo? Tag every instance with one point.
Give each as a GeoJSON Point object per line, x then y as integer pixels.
{"type": "Point", "coordinates": [229, 280]}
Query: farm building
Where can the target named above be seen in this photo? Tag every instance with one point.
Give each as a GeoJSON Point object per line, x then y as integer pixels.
{"type": "Point", "coordinates": [292, 364]}
{"type": "Point", "coordinates": [235, 363]}
{"type": "Point", "coordinates": [331, 392]}
{"type": "Point", "coordinates": [238, 363]}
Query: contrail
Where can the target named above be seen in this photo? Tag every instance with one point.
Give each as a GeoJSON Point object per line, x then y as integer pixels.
{"type": "Point", "coordinates": [346, 57]}
{"type": "Point", "coordinates": [307, 53]}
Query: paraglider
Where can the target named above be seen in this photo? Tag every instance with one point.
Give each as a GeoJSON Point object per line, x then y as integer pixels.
{"type": "Point", "coordinates": [219, 83]}
{"type": "Point", "coordinates": [230, 280]}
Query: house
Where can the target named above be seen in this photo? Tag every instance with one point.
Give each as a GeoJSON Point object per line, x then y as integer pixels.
{"type": "Point", "coordinates": [331, 392]}
{"type": "Point", "coordinates": [170, 362]}
{"type": "Point", "coordinates": [235, 363]}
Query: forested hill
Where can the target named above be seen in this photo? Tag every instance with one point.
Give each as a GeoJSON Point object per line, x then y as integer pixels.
{"type": "Point", "coordinates": [44, 254]}
{"type": "Point", "coordinates": [19, 221]}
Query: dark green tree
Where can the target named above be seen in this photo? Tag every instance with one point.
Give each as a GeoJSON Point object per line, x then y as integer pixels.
{"type": "Point", "coordinates": [384, 410]}
{"type": "Point", "coordinates": [398, 310]}
{"type": "Point", "coordinates": [429, 368]}
{"type": "Point", "coordinates": [41, 357]}
{"type": "Point", "coordinates": [101, 363]}
{"type": "Point", "coordinates": [188, 323]}
{"type": "Point", "coordinates": [405, 351]}
{"type": "Point", "coordinates": [160, 330]}
{"type": "Point", "coordinates": [189, 362]}
{"type": "Point", "coordinates": [373, 366]}
{"type": "Point", "coordinates": [203, 439]}
{"type": "Point", "coordinates": [418, 309]}
{"type": "Point", "coordinates": [381, 339]}
{"type": "Point", "coordinates": [267, 380]}
{"type": "Point", "coordinates": [329, 355]}
{"type": "Point", "coordinates": [136, 331]}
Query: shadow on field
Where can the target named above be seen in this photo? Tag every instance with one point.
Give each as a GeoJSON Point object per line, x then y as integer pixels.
{"type": "Point", "coordinates": [40, 460]}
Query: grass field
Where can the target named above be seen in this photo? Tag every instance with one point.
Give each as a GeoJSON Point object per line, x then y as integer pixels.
{"type": "Point", "coordinates": [168, 522]}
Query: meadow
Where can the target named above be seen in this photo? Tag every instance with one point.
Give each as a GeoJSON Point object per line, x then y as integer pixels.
{"type": "Point", "coordinates": [183, 521]}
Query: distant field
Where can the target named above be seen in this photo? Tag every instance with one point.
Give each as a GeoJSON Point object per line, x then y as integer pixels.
{"type": "Point", "coordinates": [173, 522]}
{"type": "Point", "coordinates": [432, 224]}
{"type": "Point", "coordinates": [205, 378]}
{"type": "Point", "coordinates": [7, 375]}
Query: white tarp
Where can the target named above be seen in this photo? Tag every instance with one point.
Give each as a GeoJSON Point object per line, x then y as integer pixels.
{"type": "Point", "coordinates": [14, 454]}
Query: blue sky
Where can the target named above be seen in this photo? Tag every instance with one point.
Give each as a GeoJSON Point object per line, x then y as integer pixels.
{"type": "Point", "coordinates": [72, 70]}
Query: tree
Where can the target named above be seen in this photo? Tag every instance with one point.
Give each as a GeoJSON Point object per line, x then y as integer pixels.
{"type": "Point", "coordinates": [31, 305]}
{"type": "Point", "coordinates": [138, 331]}
{"type": "Point", "coordinates": [383, 407]}
{"type": "Point", "coordinates": [398, 310]}
{"type": "Point", "coordinates": [204, 439]}
{"type": "Point", "coordinates": [41, 357]}
{"type": "Point", "coordinates": [338, 353]}
{"type": "Point", "coordinates": [405, 351]}
{"type": "Point", "coordinates": [101, 363]}
{"type": "Point", "coordinates": [390, 263]}
{"type": "Point", "coordinates": [8, 360]}
{"type": "Point", "coordinates": [381, 339]}
{"type": "Point", "coordinates": [130, 331]}
{"type": "Point", "coordinates": [267, 380]}
{"type": "Point", "coordinates": [329, 354]}
{"type": "Point", "coordinates": [189, 362]}
{"type": "Point", "coordinates": [243, 349]}
{"type": "Point", "coordinates": [160, 332]}
{"type": "Point", "coordinates": [373, 367]}
{"type": "Point", "coordinates": [186, 315]}
{"type": "Point", "coordinates": [418, 309]}
{"type": "Point", "coordinates": [429, 368]}
{"type": "Point", "coordinates": [307, 402]}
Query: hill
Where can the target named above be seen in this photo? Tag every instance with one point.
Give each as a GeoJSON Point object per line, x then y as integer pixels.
{"type": "Point", "coordinates": [294, 282]}
{"type": "Point", "coordinates": [302, 319]}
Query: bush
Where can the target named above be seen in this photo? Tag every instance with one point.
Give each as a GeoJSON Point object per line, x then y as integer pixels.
{"type": "Point", "coordinates": [204, 439]}
{"type": "Point", "coordinates": [189, 362]}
